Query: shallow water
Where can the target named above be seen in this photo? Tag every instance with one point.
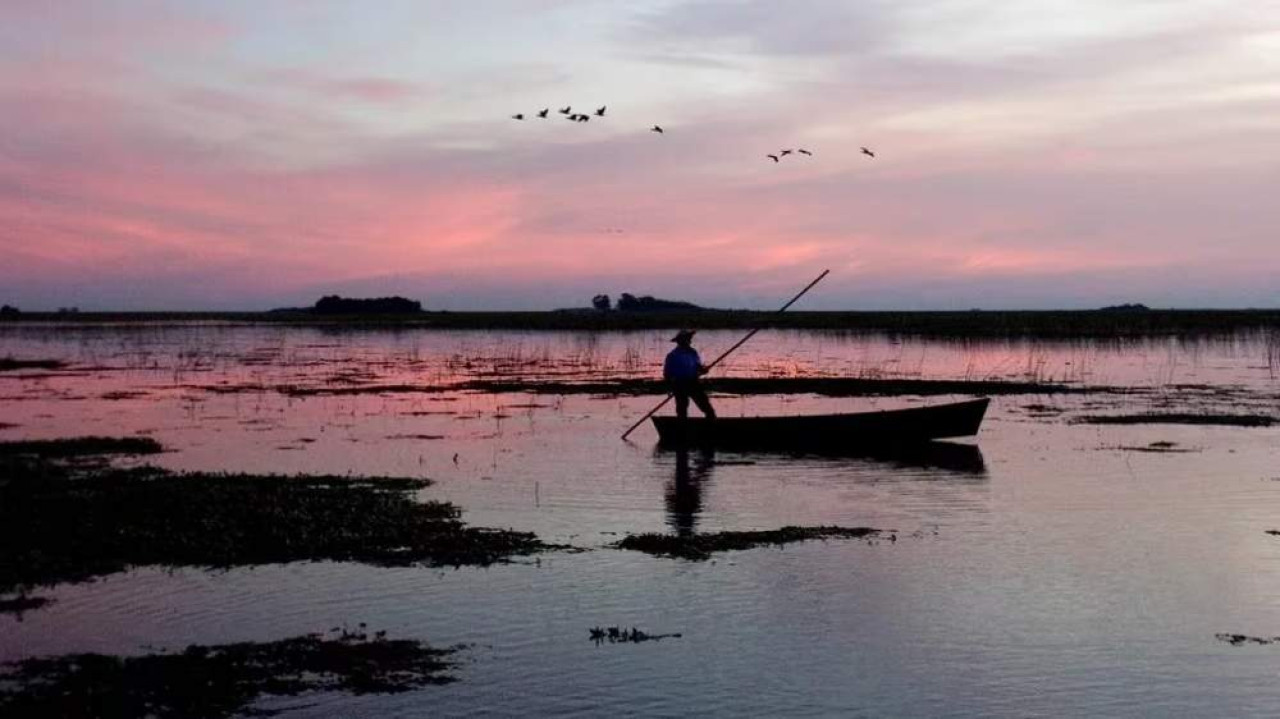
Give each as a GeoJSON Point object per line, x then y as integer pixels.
{"type": "Point", "coordinates": [1040, 570]}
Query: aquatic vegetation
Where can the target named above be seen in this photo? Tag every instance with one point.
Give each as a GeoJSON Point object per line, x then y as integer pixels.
{"type": "Point", "coordinates": [619, 635]}
{"type": "Point", "coordinates": [1162, 447]}
{"type": "Point", "coordinates": [959, 324]}
{"type": "Point", "coordinates": [9, 364]}
{"type": "Point", "coordinates": [699, 547]}
{"type": "Point", "coordinates": [825, 386]}
{"type": "Point", "coordinates": [80, 447]}
{"type": "Point", "coordinates": [1236, 640]}
{"type": "Point", "coordinates": [221, 680]}
{"type": "Point", "coordinates": [1228, 420]}
{"type": "Point", "coordinates": [23, 603]}
{"type": "Point", "coordinates": [74, 522]}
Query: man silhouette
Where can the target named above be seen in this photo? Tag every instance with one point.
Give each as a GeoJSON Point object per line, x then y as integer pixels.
{"type": "Point", "coordinates": [681, 370]}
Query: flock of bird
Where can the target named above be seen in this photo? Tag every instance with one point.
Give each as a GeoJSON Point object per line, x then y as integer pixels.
{"type": "Point", "coordinates": [572, 116]}
{"type": "Point", "coordinates": [783, 153]}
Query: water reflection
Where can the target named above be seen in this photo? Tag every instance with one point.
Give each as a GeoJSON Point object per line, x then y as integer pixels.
{"type": "Point", "coordinates": [684, 492]}
{"type": "Point", "coordinates": [965, 459]}
{"type": "Point", "coordinates": [694, 467]}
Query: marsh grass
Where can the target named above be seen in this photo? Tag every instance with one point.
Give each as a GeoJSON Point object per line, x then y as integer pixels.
{"type": "Point", "coordinates": [64, 522]}
{"type": "Point", "coordinates": [207, 682]}
{"type": "Point", "coordinates": [81, 447]}
{"type": "Point", "coordinates": [955, 324]}
{"type": "Point", "coordinates": [699, 547]}
{"type": "Point", "coordinates": [1273, 353]}
{"type": "Point", "coordinates": [23, 603]}
{"type": "Point", "coordinates": [1222, 420]}
{"type": "Point", "coordinates": [9, 363]}
{"type": "Point", "coordinates": [825, 386]}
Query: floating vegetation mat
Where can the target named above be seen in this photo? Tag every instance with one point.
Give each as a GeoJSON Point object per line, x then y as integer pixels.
{"type": "Point", "coordinates": [698, 547]}
{"type": "Point", "coordinates": [1162, 447]}
{"type": "Point", "coordinates": [1237, 640]}
{"type": "Point", "coordinates": [64, 522]}
{"type": "Point", "coordinates": [202, 682]}
{"type": "Point", "coordinates": [80, 447]}
{"type": "Point", "coordinates": [1228, 420]}
{"type": "Point", "coordinates": [620, 635]}
{"type": "Point", "coordinates": [9, 363]}
{"type": "Point", "coordinates": [23, 603]}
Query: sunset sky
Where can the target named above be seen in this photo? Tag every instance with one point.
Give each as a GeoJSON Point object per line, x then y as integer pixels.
{"type": "Point", "coordinates": [1030, 153]}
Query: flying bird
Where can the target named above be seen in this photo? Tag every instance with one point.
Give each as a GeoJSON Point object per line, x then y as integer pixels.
{"type": "Point", "coordinates": [543, 112]}
{"type": "Point", "coordinates": [803, 151]}
{"type": "Point", "coordinates": [868, 153]}
{"type": "Point", "coordinates": [600, 112]}
{"type": "Point", "coordinates": [784, 153]}
{"type": "Point", "coordinates": [518, 116]}
{"type": "Point", "coordinates": [566, 109]}
{"type": "Point", "coordinates": [656, 128]}
{"type": "Point", "coordinates": [772, 157]}
{"type": "Point", "coordinates": [584, 118]}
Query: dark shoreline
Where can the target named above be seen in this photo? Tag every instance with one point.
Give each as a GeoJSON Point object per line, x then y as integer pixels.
{"type": "Point", "coordinates": [1063, 324]}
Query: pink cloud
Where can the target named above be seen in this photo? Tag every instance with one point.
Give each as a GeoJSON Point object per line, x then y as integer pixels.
{"type": "Point", "coordinates": [114, 170]}
{"type": "Point", "coordinates": [372, 89]}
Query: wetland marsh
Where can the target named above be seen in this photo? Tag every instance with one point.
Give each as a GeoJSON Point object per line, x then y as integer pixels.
{"type": "Point", "coordinates": [1082, 556]}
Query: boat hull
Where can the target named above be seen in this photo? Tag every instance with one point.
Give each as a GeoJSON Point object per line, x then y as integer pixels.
{"type": "Point", "coordinates": [917, 424]}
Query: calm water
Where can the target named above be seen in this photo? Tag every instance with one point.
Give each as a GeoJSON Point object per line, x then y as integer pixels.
{"type": "Point", "coordinates": [1041, 569]}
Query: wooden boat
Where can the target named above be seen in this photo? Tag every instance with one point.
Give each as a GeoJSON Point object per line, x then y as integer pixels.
{"type": "Point", "coordinates": [895, 426]}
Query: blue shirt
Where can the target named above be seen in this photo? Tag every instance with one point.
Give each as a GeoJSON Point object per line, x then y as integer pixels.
{"type": "Point", "coordinates": [682, 363]}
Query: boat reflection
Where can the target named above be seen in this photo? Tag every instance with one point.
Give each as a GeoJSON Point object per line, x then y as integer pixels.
{"type": "Point", "coordinates": [694, 468]}
{"type": "Point", "coordinates": [952, 457]}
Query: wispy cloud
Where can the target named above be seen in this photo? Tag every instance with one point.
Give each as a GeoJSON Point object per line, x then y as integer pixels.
{"type": "Point", "coordinates": [1027, 153]}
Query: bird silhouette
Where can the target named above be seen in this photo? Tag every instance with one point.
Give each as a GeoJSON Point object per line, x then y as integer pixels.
{"type": "Point", "coordinates": [656, 128]}
{"type": "Point", "coordinates": [600, 112]}
{"type": "Point", "coordinates": [518, 116]}
{"type": "Point", "coordinates": [868, 153]}
{"type": "Point", "coordinates": [566, 109]}
{"type": "Point", "coordinates": [784, 153]}
{"type": "Point", "coordinates": [543, 112]}
{"type": "Point", "coordinates": [772, 157]}
{"type": "Point", "coordinates": [584, 118]}
{"type": "Point", "coordinates": [803, 151]}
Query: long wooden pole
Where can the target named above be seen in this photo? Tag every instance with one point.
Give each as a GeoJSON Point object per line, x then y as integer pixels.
{"type": "Point", "coordinates": [728, 352]}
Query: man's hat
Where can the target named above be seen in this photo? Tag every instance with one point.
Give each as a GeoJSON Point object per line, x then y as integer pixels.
{"type": "Point", "coordinates": [683, 335]}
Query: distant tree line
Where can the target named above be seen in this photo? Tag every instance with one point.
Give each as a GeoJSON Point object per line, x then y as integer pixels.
{"type": "Point", "coordinates": [335, 305]}
{"type": "Point", "coordinates": [1127, 307]}
{"type": "Point", "coordinates": [9, 311]}
{"type": "Point", "coordinates": [628, 302]}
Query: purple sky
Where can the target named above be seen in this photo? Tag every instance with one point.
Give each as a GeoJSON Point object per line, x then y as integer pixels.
{"type": "Point", "coordinates": [1029, 153]}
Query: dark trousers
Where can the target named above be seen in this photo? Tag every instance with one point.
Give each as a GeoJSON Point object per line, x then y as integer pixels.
{"type": "Point", "coordinates": [685, 390]}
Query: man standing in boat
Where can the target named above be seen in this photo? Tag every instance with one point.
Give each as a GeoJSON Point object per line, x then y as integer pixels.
{"type": "Point", "coordinates": [681, 371]}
